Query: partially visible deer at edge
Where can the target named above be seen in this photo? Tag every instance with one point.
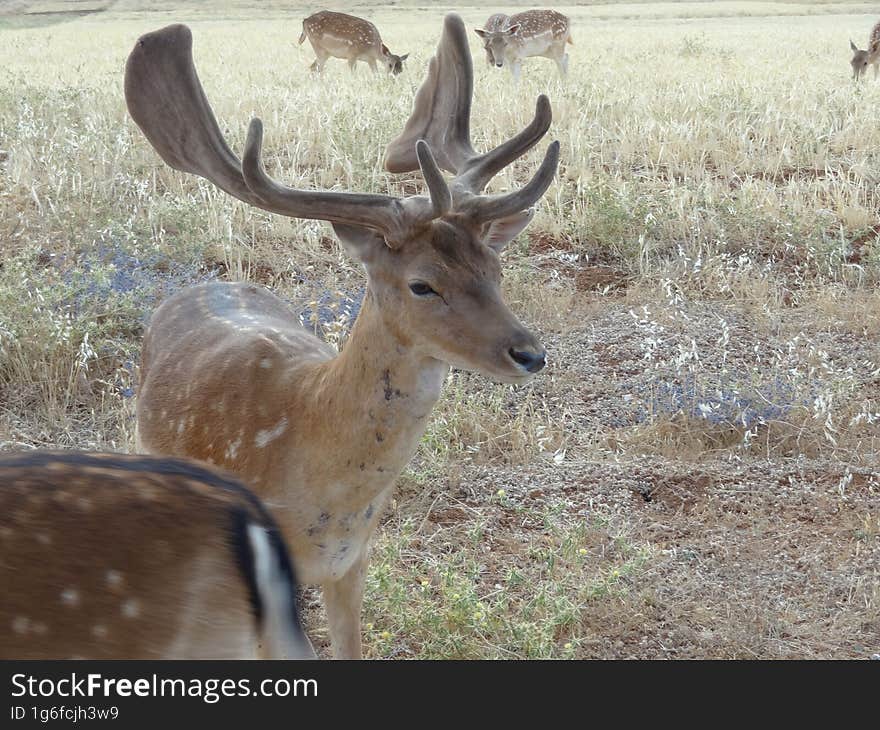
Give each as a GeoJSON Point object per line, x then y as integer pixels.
{"type": "Point", "coordinates": [862, 59]}
{"type": "Point", "coordinates": [111, 556]}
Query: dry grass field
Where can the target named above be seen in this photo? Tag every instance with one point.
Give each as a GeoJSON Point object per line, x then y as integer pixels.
{"type": "Point", "coordinates": [697, 471]}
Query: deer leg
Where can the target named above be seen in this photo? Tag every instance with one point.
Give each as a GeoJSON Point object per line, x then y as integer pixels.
{"type": "Point", "coordinates": [562, 64]}
{"type": "Point", "coordinates": [318, 65]}
{"type": "Point", "coordinates": [876, 69]}
{"type": "Point", "coordinates": [352, 64]}
{"type": "Point", "coordinates": [372, 62]}
{"type": "Point", "coordinates": [342, 600]}
{"type": "Point", "coordinates": [515, 69]}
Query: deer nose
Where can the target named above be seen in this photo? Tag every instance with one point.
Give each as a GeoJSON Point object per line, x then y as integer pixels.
{"type": "Point", "coordinates": [498, 64]}
{"type": "Point", "coordinates": [531, 361]}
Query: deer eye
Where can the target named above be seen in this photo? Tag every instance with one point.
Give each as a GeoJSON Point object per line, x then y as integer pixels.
{"type": "Point", "coordinates": [421, 289]}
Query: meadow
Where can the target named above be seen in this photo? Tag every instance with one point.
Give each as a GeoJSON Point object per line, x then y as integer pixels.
{"type": "Point", "coordinates": [695, 473]}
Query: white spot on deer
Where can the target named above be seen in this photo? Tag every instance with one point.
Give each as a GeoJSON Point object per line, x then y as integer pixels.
{"type": "Point", "coordinates": [131, 608]}
{"type": "Point", "coordinates": [180, 426]}
{"type": "Point", "coordinates": [70, 597]}
{"type": "Point", "coordinates": [44, 538]}
{"type": "Point", "coordinates": [266, 363]}
{"type": "Point", "coordinates": [264, 437]}
{"type": "Point", "coordinates": [232, 449]}
{"type": "Point", "coordinates": [20, 624]}
{"type": "Point", "coordinates": [113, 578]}
{"type": "Point", "coordinates": [99, 631]}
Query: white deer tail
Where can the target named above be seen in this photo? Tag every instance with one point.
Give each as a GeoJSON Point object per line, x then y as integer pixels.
{"type": "Point", "coordinates": [281, 630]}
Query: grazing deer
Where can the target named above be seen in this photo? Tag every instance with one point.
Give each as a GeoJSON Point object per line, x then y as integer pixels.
{"type": "Point", "coordinates": [532, 33]}
{"type": "Point", "coordinates": [349, 37]}
{"type": "Point", "coordinates": [109, 556]}
{"type": "Point", "coordinates": [228, 375]}
{"type": "Point", "coordinates": [494, 23]}
{"type": "Point", "coordinates": [862, 59]}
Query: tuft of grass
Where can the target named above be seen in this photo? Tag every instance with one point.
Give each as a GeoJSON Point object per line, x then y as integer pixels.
{"type": "Point", "coordinates": [457, 602]}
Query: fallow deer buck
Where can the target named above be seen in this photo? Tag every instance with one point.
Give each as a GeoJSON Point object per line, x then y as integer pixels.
{"type": "Point", "coordinates": [227, 374]}
{"type": "Point", "coordinates": [495, 23]}
{"type": "Point", "coordinates": [349, 37]}
{"type": "Point", "coordinates": [532, 33]}
{"type": "Point", "coordinates": [110, 556]}
{"type": "Point", "coordinates": [862, 59]}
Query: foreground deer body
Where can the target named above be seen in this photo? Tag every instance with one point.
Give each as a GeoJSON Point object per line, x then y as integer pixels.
{"type": "Point", "coordinates": [532, 33]}
{"type": "Point", "coordinates": [862, 59]}
{"type": "Point", "coordinates": [349, 37]}
{"type": "Point", "coordinates": [495, 23]}
{"type": "Point", "coordinates": [227, 374]}
{"type": "Point", "coordinates": [108, 556]}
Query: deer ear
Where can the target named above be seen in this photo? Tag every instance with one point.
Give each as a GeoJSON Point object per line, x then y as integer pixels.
{"type": "Point", "coordinates": [480, 32]}
{"type": "Point", "coordinates": [504, 230]}
{"type": "Point", "coordinates": [360, 243]}
{"type": "Point", "coordinates": [853, 46]}
{"type": "Point", "coordinates": [512, 29]}
{"type": "Point", "coordinates": [404, 57]}
{"type": "Point", "coordinates": [385, 50]}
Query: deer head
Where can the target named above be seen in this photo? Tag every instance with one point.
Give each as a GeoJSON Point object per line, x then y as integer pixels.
{"type": "Point", "coordinates": [496, 42]}
{"type": "Point", "coordinates": [432, 260]}
{"type": "Point", "coordinates": [393, 62]}
{"type": "Point", "coordinates": [859, 61]}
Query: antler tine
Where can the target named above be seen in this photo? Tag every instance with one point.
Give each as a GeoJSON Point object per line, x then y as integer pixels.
{"type": "Point", "coordinates": [441, 198]}
{"type": "Point", "coordinates": [379, 212]}
{"type": "Point", "coordinates": [485, 208]}
{"type": "Point", "coordinates": [479, 171]}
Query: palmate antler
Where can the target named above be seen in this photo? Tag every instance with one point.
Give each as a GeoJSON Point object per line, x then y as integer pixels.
{"type": "Point", "coordinates": [441, 116]}
{"type": "Point", "coordinates": [166, 100]}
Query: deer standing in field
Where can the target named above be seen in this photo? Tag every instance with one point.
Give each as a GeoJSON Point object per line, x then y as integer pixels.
{"type": "Point", "coordinates": [532, 33]}
{"type": "Point", "coordinates": [495, 23]}
{"type": "Point", "coordinates": [349, 37]}
{"type": "Point", "coordinates": [109, 556]}
{"type": "Point", "coordinates": [227, 374]}
{"type": "Point", "coordinates": [862, 59]}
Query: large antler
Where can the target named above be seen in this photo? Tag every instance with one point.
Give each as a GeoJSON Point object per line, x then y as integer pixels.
{"type": "Point", "coordinates": [166, 100]}
{"type": "Point", "coordinates": [441, 117]}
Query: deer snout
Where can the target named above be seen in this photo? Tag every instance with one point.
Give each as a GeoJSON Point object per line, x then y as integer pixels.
{"type": "Point", "coordinates": [529, 360]}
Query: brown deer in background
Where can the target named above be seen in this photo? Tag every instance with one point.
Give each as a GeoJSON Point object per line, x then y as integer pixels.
{"type": "Point", "coordinates": [108, 556]}
{"type": "Point", "coordinates": [349, 37]}
{"type": "Point", "coordinates": [228, 375]}
{"type": "Point", "coordinates": [862, 59]}
{"type": "Point", "coordinates": [532, 33]}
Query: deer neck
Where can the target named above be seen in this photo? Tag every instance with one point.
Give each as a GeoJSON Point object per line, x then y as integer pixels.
{"type": "Point", "coordinates": [373, 400]}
